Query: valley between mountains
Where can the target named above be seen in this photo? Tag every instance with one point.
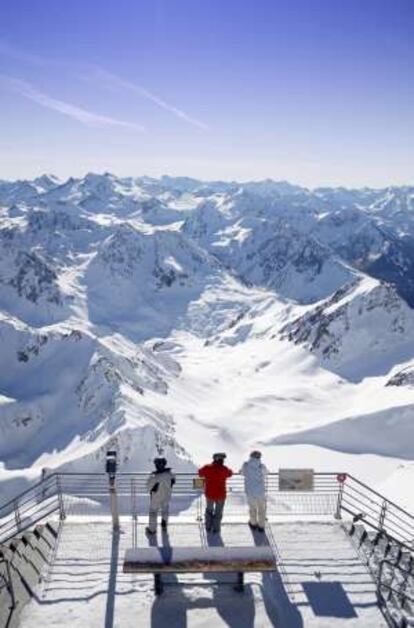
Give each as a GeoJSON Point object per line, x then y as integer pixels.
{"type": "Point", "coordinates": [180, 316]}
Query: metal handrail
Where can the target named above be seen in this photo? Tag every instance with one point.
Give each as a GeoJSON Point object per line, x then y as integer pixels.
{"type": "Point", "coordinates": [31, 489]}
{"type": "Point", "coordinates": [328, 474]}
{"type": "Point", "coordinates": [60, 490]}
{"type": "Point", "coordinates": [392, 533]}
{"type": "Point", "coordinates": [379, 513]}
{"type": "Point", "coordinates": [33, 505]}
{"type": "Point", "coordinates": [353, 497]}
{"type": "Point", "coordinates": [373, 491]}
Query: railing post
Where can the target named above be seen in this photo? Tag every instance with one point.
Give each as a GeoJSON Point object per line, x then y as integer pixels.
{"type": "Point", "coordinates": [111, 468]}
{"type": "Point", "coordinates": [382, 515]}
{"type": "Point", "coordinates": [43, 478]}
{"type": "Point", "coordinates": [341, 479]}
{"type": "Point", "coordinates": [113, 497]}
{"type": "Point", "coordinates": [339, 502]}
{"type": "Point", "coordinates": [62, 514]}
{"type": "Point", "coordinates": [133, 499]}
{"type": "Point", "coordinates": [17, 517]}
{"type": "Point", "coordinates": [134, 512]}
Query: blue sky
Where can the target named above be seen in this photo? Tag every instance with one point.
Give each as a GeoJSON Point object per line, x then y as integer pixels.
{"type": "Point", "coordinates": [319, 92]}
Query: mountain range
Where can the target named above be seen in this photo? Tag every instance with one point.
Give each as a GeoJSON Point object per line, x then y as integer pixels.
{"type": "Point", "coordinates": [180, 316]}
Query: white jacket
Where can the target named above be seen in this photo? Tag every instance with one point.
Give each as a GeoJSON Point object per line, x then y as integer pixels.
{"type": "Point", "coordinates": [162, 494]}
{"type": "Point", "coordinates": [255, 474]}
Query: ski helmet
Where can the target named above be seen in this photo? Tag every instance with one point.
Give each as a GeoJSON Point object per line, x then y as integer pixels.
{"type": "Point", "coordinates": [219, 457]}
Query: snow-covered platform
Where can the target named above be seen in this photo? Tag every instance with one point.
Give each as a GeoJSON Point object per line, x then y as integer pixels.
{"type": "Point", "coordinates": [321, 581]}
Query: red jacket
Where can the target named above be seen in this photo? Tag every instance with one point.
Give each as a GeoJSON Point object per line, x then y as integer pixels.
{"type": "Point", "coordinates": [215, 476]}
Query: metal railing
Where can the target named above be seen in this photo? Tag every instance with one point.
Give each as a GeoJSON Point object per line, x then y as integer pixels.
{"type": "Point", "coordinates": [87, 494]}
{"type": "Point", "coordinates": [377, 512]}
{"type": "Point", "coordinates": [32, 506]}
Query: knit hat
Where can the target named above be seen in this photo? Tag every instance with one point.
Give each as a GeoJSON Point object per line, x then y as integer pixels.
{"type": "Point", "coordinates": [160, 463]}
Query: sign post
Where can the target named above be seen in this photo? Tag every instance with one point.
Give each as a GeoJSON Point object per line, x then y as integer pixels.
{"type": "Point", "coordinates": [341, 479]}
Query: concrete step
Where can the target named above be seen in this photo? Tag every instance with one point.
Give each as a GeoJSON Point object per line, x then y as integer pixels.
{"type": "Point", "coordinates": [360, 533]}
{"type": "Point", "coordinates": [27, 556]}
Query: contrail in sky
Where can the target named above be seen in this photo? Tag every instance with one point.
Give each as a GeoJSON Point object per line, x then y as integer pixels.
{"type": "Point", "coordinates": [89, 118]}
{"type": "Point", "coordinates": [106, 79]}
{"type": "Point", "coordinates": [111, 80]}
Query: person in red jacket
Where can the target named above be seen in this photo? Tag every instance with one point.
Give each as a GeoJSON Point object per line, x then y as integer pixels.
{"type": "Point", "coordinates": [215, 476]}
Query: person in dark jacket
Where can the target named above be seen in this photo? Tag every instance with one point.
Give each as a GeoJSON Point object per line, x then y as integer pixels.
{"type": "Point", "coordinates": [215, 476]}
{"type": "Point", "coordinates": [159, 484]}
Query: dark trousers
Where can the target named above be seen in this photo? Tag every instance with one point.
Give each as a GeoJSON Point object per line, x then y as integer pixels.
{"type": "Point", "coordinates": [213, 514]}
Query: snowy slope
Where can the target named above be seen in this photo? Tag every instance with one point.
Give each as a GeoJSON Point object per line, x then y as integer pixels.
{"type": "Point", "coordinates": [184, 316]}
{"type": "Point", "coordinates": [362, 330]}
{"type": "Point", "coordinates": [66, 392]}
{"type": "Point", "coordinates": [29, 284]}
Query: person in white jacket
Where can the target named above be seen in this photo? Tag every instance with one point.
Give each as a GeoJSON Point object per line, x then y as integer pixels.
{"type": "Point", "coordinates": [255, 474]}
{"type": "Point", "coordinates": [159, 484]}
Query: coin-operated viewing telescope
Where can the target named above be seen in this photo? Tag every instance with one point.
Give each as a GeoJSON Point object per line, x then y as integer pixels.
{"type": "Point", "coordinates": [111, 463]}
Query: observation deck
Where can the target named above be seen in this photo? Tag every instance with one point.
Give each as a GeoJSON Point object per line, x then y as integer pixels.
{"type": "Point", "coordinates": [343, 555]}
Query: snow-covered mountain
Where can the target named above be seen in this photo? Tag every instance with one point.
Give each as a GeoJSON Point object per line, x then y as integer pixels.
{"type": "Point", "coordinates": [363, 330]}
{"type": "Point", "coordinates": [182, 316]}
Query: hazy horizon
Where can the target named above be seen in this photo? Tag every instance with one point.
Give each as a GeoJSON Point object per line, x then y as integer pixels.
{"type": "Point", "coordinates": [65, 178]}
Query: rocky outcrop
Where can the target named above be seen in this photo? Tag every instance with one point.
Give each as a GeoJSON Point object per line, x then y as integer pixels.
{"type": "Point", "coordinates": [363, 323]}
{"type": "Point", "coordinates": [405, 377]}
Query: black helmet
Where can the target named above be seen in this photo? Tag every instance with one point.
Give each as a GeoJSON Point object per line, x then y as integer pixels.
{"type": "Point", "coordinates": [160, 463]}
{"type": "Point", "coordinates": [219, 457]}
